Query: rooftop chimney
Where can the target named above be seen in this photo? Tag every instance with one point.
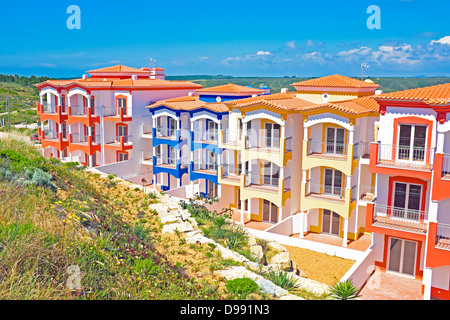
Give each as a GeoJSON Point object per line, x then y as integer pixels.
{"type": "Point", "coordinates": [85, 76]}
{"type": "Point", "coordinates": [379, 91]}
{"type": "Point", "coordinates": [284, 90]}
{"type": "Point", "coordinates": [134, 77]}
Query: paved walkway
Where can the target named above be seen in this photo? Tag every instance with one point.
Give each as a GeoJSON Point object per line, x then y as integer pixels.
{"type": "Point", "coordinates": [389, 286]}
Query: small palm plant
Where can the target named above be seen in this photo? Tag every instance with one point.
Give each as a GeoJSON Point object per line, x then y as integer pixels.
{"type": "Point", "coordinates": [344, 290]}
{"type": "Point", "coordinates": [282, 279]}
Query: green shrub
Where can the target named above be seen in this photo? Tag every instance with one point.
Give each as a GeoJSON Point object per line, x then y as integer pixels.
{"type": "Point", "coordinates": [282, 279]}
{"type": "Point", "coordinates": [344, 290]}
{"type": "Point", "coordinates": [242, 287]}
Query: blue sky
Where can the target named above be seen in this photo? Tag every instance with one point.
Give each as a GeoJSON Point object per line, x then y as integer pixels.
{"type": "Point", "coordinates": [240, 38]}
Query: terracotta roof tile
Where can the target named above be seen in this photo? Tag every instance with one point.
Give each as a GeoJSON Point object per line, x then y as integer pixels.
{"type": "Point", "coordinates": [438, 94]}
{"type": "Point", "coordinates": [231, 88]}
{"type": "Point", "coordinates": [118, 69]}
{"type": "Point", "coordinates": [337, 81]}
{"type": "Point", "coordinates": [189, 103]}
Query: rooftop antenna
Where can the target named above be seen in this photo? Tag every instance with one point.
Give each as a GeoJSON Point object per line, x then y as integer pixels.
{"type": "Point", "coordinates": [364, 66]}
{"type": "Point", "coordinates": [151, 61]}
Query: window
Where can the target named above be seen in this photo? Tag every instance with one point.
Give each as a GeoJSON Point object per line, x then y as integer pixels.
{"type": "Point", "coordinates": [330, 222]}
{"type": "Point", "coordinates": [122, 156]}
{"type": "Point", "coordinates": [213, 128]}
{"type": "Point", "coordinates": [402, 256]}
{"type": "Point", "coordinates": [270, 212]}
{"type": "Point", "coordinates": [335, 139]}
{"type": "Point", "coordinates": [122, 104]}
{"type": "Point", "coordinates": [407, 200]}
{"type": "Point", "coordinates": [270, 174]}
{"type": "Point", "coordinates": [411, 142]}
{"type": "Point", "coordinates": [92, 105]}
{"type": "Point", "coordinates": [211, 160]}
{"type": "Point", "coordinates": [122, 131]}
{"type": "Point", "coordinates": [172, 127]}
{"type": "Point", "coordinates": [158, 155]}
{"type": "Point", "coordinates": [333, 182]}
{"type": "Point", "coordinates": [213, 189]}
{"type": "Point", "coordinates": [172, 155]}
{"type": "Point", "coordinates": [272, 135]}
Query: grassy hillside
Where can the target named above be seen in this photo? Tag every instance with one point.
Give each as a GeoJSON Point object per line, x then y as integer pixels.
{"type": "Point", "coordinates": [54, 216]}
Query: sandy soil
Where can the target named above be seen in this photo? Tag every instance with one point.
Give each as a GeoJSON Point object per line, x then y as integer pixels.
{"type": "Point", "coordinates": [319, 266]}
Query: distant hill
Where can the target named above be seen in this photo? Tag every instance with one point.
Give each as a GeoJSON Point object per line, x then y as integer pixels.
{"type": "Point", "coordinates": [388, 84]}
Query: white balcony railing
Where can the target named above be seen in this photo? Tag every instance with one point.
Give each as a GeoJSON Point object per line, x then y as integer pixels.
{"type": "Point", "coordinates": [208, 135]}
{"type": "Point", "coordinates": [366, 193]}
{"type": "Point", "coordinates": [318, 148]}
{"type": "Point", "coordinates": [82, 111]}
{"type": "Point", "coordinates": [443, 236]}
{"type": "Point", "coordinates": [408, 220]}
{"type": "Point", "coordinates": [117, 139]}
{"type": "Point", "coordinates": [446, 167]}
{"type": "Point", "coordinates": [81, 138]}
{"type": "Point", "coordinates": [114, 112]}
{"type": "Point", "coordinates": [165, 132]}
{"type": "Point", "coordinates": [322, 189]}
{"type": "Point", "coordinates": [405, 157]}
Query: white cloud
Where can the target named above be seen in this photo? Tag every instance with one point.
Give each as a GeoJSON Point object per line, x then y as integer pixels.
{"type": "Point", "coordinates": [291, 44]}
{"type": "Point", "coordinates": [445, 41]}
{"type": "Point", "coordinates": [263, 53]}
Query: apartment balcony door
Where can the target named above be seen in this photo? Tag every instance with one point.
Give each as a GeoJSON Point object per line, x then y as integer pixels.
{"type": "Point", "coordinates": [272, 136]}
{"type": "Point", "coordinates": [270, 174]}
{"type": "Point", "coordinates": [411, 142]}
{"type": "Point", "coordinates": [172, 155]}
{"type": "Point", "coordinates": [333, 182]}
{"type": "Point", "coordinates": [122, 104]}
{"type": "Point", "coordinates": [330, 222]}
{"type": "Point", "coordinates": [335, 140]}
{"type": "Point", "coordinates": [402, 256]}
{"type": "Point", "coordinates": [407, 200]}
{"type": "Point", "coordinates": [212, 132]}
{"type": "Point", "coordinates": [269, 212]}
{"type": "Point", "coordinates": [212, 189]}
{"type": "Point", "coordinates": [172, 127]}
{"type": "Point", "coordinates": [211, 160]}
{"type": "Point", "coordinates": [122, 131]}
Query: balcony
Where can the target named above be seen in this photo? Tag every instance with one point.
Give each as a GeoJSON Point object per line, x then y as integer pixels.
{"type": "Point", "coordinates": [327, 150]}
{"type": "Point", "coordinates": [396, 221]}
{"type": "Point", "coordinates": [326, 154]}
{"type": "Point", "coordinates": [275, 149]}
{"type": "Point", "coordinates": [205, 139]}
{"type": "Point", "coordinates": [54, 139]}
{"type": "Point", "coordinates": [324, 192]}
{"type": "Point", "coordinates": [118, 143]}
{"type": "Point", "coordinates": [171, 165]}
{"type": "Point", "coordinates": [147, 132]}
{"type": "Point", "coordinates": [335, 198]}
{"type": "Point", "coordinates": [229, 174]}
{"type": "Point", "coordinates": [204, 171]}
{"type": "Point", "coordinates": [275, 190]}
{"type": "Point", "coordinates": [117, 114]}
{"type": "Point", "coordinates": [231, 139]}
{"type": "Point", "coordinates": [85, 115]}
{"type": "Point", "coordinates": [366, 193]}
{"type": "Point", "coordinates": [87, 144]}
{"type": "Point", "coordinates": [402, 160]}
{"type": "Point", "coordinates": [438, 247]}
{"type": "Point", "coordinates": [48, 111]}
{"type": "Point", "coordinates": [147, 158]}
{"type": "Point", "coordinates": [441, 177]}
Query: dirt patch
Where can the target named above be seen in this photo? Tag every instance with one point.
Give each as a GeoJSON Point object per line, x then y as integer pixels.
{"type": "Point", "coordinates": [319, 266]}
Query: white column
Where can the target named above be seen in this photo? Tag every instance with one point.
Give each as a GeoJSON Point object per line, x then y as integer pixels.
{"type": "Point", "coordinates": [344, 239]}
{"type": "Point", "coordinates": [351, 135]}
{"type": "Point", "coordinates": [302, 224]}
{"type": "Point", "coordinates": [427, 276]}
{"type": "Point", "coordinates": [154, 181]}
{"type": "Point", "coordinates": [59, 99]}
{"type": "Point", "coordinates": [41, 99]}
{"type": "Point", "coordinates": [440, 142]}
{"type": "Point", "coordinates": [432, 214]}
{"type": "Point", "coordinates": [242, 211]}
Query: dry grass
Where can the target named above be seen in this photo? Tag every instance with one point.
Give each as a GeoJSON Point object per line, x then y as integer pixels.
{"type": "Point", "coordinates": [319, 266]}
